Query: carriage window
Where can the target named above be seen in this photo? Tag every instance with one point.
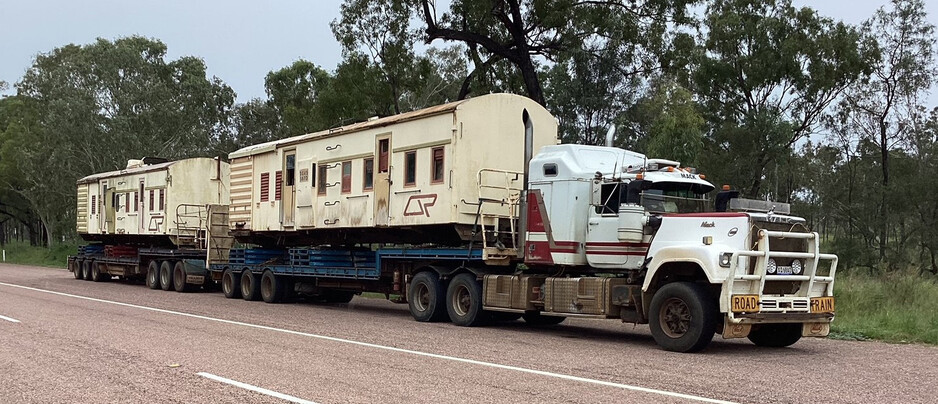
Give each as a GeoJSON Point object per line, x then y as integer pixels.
{"type": "Point", "coordinates": [162, 199]}
{"type": "Point", "coordinates": [410, 168]}
{"type": "Point", "coordinates": [291, 168]}
{"type": "Point", "coordinates": [94, 201]}
{"type": "Point", "coordinates": [550, 170]}
{"type": "Point", "coordinates": [346, 177]}
{"type": "Point", "coordinates": [151, 200]}
{"type": "Point", "coordinates": [383, 154]}
{"type": "Point", "coordinates": [323, 179]}
{"type": "Point", "coordinates": [369, 178]}
{"type": "Point", "coordinates": [437, 165]}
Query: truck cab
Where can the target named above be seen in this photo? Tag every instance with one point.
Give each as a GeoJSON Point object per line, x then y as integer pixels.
{"type": "Point", "coordinates": [690, 271]}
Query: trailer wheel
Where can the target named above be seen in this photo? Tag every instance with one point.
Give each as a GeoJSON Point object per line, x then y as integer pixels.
{"type": "Point", "coordinates": [682, 317]}
{"type": "Point", "coordinates": [535, 318]}
{"type": "Point", "coordinates": [96, 274]}
{"type": "Point", "coordinates": [464, 301]}
{"type": "Point", "coordinates": [272, 287]}
{"type": "Point", "coordinates": [775, 335]}
{"type": "Point", "coordinates": [179, 277]}
{"type": "Point", "coordinates": [86, 270]}
{"type": "Point", "coordinates": [76, 268]}
{"type": "Point", "coordinates": [231, 284]}
{"type": "Point", "coordinates": [425, 298]}
{"type": "Point", "coordinates": [250, 287]}
{"type": "Point", "coordinates": [153, 275]}
{"type": "Point", "coordinates": [166, 275]}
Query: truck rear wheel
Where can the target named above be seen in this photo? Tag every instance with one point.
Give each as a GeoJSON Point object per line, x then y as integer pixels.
{"type": "Point", "coordinates": [775, 335]}
{"type": "Point", "coordinates": [166, 275]}
{"type": "Point", "coordinates": [250, 287]}
{"type": "Point", "coordinates": [271, 287]}
{"type": "Point", "coordinates": [76, 268]}
{"type": "Point", "coordinates": [682, 317]}
{"type": "Point", "coordinates": [425, 297]}
{"type": "Point", "coordinates": [464, 301]}
{"type": "Point", "coordinates": [231, 284]}
{"type": "Point", "coordinates": [179, 277]}
{"type": "Point", "coordinates": [153, 275]}
{"type": "Point", "coordinates": [86, 270]}
{"type": "Point", "coordinates": [97, 275]}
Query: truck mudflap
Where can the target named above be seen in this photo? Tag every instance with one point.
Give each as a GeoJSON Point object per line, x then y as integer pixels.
{"type": "Point", "coordinates": [744, 301]}
{"type": "Point", "coordinates": [196, 272]}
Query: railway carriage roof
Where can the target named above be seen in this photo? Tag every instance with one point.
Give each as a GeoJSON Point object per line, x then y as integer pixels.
{"type": "Point", "coordinates": [136, 170]}
{"type": "Point", "coordinates": [359, 126]}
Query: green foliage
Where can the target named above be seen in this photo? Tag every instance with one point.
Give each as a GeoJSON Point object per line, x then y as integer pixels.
{"type": "Point", "coordinates": [88, 109]}
{"type": "Point", "coordinates": [25, 254]}
{"type": "Point", "coordinates": [766, 72]}
{"type": "Point", "coordinates": [669, 123]}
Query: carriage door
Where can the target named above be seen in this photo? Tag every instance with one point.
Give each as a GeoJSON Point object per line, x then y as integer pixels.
{"type": "Point", "coordinates": [110, 207]}
{"type": "Point", "coordinates": [382, 180]}
{"type": "Point", "coordinates": [288, 205]}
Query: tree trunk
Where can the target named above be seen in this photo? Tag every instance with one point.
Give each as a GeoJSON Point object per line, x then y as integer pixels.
{"type": "Point", "coordinates": [883, 207]}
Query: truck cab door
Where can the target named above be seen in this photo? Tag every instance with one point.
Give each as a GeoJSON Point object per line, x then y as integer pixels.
{"type": "Point", "coordinates": [604, 249]}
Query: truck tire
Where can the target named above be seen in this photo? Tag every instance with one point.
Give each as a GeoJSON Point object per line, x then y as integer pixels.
{"type": "Point", "coordinates": [97, 275]}
{"type": "Point", "coordinates": [179, 277]}
{"type": "Point", "coordinates": [86, 270]}
{"type": "Point", "coordinates": [250, 286]}
{"type": "Point", "coordinates": [272, 287]}
{"type": "Point", "coordinates": [464, 301]}
{"type": "Point", "coordinates": [425, 297]}
{"type": "Point", "coordinates": [535, 318]}
{"type": "Point", "coordinates": [775, 335]}
{"type": "Point", "coordinates": [153, 275]}
{"type": "Point", "coordinates": [76, 268]}
{"type": "Point", "coordinates": [231, 284]}
{"type": "Point", "coordinates": [166, 275]}
{"type": "Point", "coordinates": [683, 317]}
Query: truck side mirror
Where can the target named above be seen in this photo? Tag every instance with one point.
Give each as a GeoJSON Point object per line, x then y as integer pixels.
{"type": "Point", "coordinates": [596, 197]}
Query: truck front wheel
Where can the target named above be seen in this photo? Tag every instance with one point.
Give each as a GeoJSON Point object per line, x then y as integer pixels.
{"type": "Point", "coordinates": [775, 335]}
{"type": "Point", "coordinates": [683, 317]}
{"type": "Point", "coordinates": [425, 297]}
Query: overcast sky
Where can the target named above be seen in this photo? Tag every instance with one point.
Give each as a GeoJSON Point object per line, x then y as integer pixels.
{"type": "Point", "coordinates": [240, 41]}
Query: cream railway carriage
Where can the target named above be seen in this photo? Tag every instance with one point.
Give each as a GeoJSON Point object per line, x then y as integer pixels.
{"type": "Point", "coordinates": [422, 176]}
{"type": "Point", "coordinates": [145, 202]}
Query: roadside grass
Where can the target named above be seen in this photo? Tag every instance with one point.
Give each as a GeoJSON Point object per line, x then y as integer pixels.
{"type": "Point", "coordinates": [23, 253]}
{"type": "Point", "coordinates": [900, 307]}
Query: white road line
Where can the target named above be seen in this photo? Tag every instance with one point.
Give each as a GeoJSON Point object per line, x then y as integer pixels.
{"type": "Point", "coordinates": [12, 320]}
{"type": "Point", "coordinates": [256, 389]}
{"type": "Point", "coordinates": [394, 349]}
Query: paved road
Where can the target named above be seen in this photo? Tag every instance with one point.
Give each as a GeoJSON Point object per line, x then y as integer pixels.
{"type": "Point", "coordinates": [65, 340]}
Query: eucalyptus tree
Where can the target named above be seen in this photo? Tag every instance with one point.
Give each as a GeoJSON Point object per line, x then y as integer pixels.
{"type": "Point", "coordinates": [766, 73]}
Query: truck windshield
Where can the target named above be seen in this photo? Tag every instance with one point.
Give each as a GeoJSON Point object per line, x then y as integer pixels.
{"type": "Point", "coordinates": [676, 197]}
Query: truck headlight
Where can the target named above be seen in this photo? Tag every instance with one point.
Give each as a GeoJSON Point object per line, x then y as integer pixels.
{"type": "Point", "coordinates": [725, 259]}
{"type": "Point", "coordinates": [796, 267]}
{"type": "Point", "coordinates": [771, 267]}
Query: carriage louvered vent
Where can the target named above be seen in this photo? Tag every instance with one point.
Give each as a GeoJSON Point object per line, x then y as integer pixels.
{"type": "Point", "coordinates": [279, 179]}
{"type": "Point", "coordinates": [265, 187]}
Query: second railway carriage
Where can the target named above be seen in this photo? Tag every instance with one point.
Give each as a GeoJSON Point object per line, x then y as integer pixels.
{"type": "Point", "coordinates": [418, 177]}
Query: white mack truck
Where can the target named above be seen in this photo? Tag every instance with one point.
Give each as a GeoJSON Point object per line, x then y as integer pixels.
{"type": "Point", "coordinates": [628, 237]}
